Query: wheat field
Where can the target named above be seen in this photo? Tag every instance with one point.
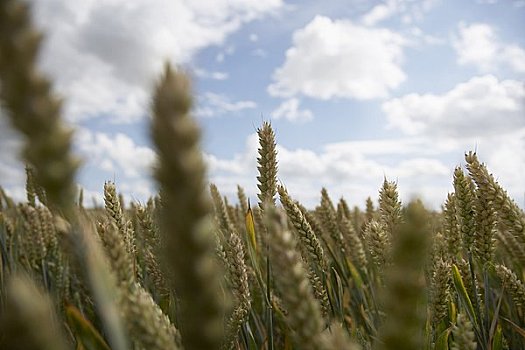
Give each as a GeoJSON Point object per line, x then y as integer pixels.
{"type": "Point", "coordinates": [189, 269]}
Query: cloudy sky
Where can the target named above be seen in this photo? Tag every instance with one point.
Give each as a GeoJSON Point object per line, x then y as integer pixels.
{"type": "Point", "coordinates": [356, 90]}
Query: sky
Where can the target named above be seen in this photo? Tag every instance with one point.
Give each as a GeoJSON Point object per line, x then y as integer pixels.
{"type": "Point", "coordinates": [356, 91]}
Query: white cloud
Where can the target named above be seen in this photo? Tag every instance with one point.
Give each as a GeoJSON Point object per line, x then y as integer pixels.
{"type": "Point", "coordinates": [482, 106]}
{"type": "Point", "coordinates": [483, 113]}
{"type": "Point", "coordinates": [422, 165]}
{"type": "Point", "coordinates": [242, 164]}
{"type": "Point", "coordinates": [416, 167]}
{"type": "Point", "coordinates": [418, 36]}
{"type": "Point", "coordinates": [507, 161]}
{"type": "Point", "coordinates": [100, 152]}
{"type": "Point", "coordinates": [93, 198]}
{"type": "Point", "coordinates": [353, 169]}
{"type": "Point", "coordinates": [133, 190]}
{"type": "Point", "coordinates": [12, 174]}
{"type": "Point", "coordinates": [331, 59]}
{"type": "Point", "coordinates": [228, 51]}
{"type": "Point", "coordinates": [408, 11]}
{"type": "Point", "coordinates": [514, 56]}
{"type": "Point", "coordinates": [118, 153]}
{"type": "Point", "coordinates": [104, 55]}
{"type": "Point", "coordinates": [203, 73]}
{"type": "Point", "coordinates": [116, 157]}
{"type": "Point", "coordinates": [290, 110]}
{"type": "Point", "coordinates": [401, 147]}
{"type": "Point", "coordinates": [212, 105]}
{"type": "Point", "coordinates": [259, 53]}
{"type": "Point", "coordinates": [253, 37]}
{"type": "Point", "coordinates": [379, 13]}
{"type": "Point", "coordinates": [220, 57]}
{"type": "Point", "coordinates": [478, 44]}
{"type": "Point", "coordinates": [138, 190]}
{"type": "Point", "coordinates": [17, 193]}
{"type": "Point", "coordinates": [345, 168]}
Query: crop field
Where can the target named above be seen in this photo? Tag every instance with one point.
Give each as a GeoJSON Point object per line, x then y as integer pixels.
{"type": "Point", "coordinates": [190, 269]}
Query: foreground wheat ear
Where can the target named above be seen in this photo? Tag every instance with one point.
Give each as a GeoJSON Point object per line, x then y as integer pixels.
{"type": "Point", "coordinates": [405, 284]}
{"type": "Point", "coordinates": [291, 279]}
{"type": "Point", "coordinates": [35, 111]}
{"type": "Point", "coordinates": [186, 221]}
{"type": "Point", "coordinates": [29, 320]}
{"type": "Point", "coordinates": [27, 97]}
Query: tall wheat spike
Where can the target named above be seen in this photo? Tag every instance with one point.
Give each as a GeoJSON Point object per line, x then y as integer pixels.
{"type": "Point", "coordinates": [186, 209]}
{"type": "Point", "coordinates": [389, 206]}
{"type": "Point", "coordinates": [451, 227]}
{"type": "Point", "coordinates": [465, 201]}
{"type": "Point", "coordinates": [241, 289]}
{"type": "Point", "coordinates": [147, 325]}
{"type": "Point", "coordinates": [304, 312]}
{"type": "Point", "coordinates": [35, 111]}
{"type": "Point", "coordinates": [464, 338]}
{"type": "Point", "coordinates": [32, 107]}
{"type": "Point", "coordinates": [405, 293]}
{"type": "Point", "coordinates": [515, 287]}
{"type": "Point", "coordinates": [29, 322]}
{"type": "Point", "coordinates": [314, 253]}
{"type": "Point", "coordinates": [511, 216]}
{"type": "Point", "coordinates": [267, 165]}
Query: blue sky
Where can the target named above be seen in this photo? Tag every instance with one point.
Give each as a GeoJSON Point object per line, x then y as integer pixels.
{"type": "Point", "coordinates": [355, 90]}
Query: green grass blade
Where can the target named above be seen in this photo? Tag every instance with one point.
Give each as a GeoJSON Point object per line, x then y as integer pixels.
{"type": "Point", "coordinates": [497, 340]}
{"type": "Point", "coordinates": [463, 295]}
{"type": "Point", "coordinates": [84, 331]}
{"type": "Point", "coordinates": [442, 340]}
